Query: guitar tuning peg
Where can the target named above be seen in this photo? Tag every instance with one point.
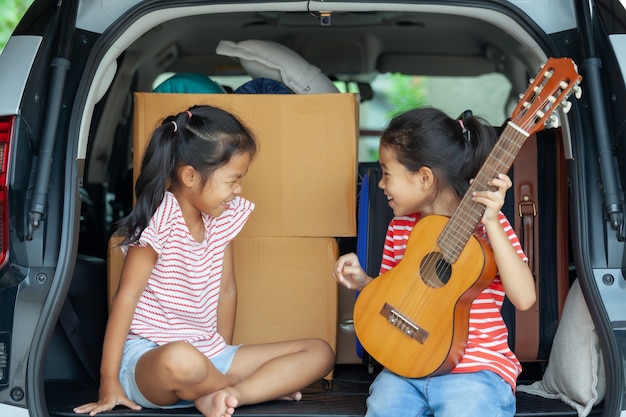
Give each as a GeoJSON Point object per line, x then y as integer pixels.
{"type": "Point", "coordinates": [567, 105]}
{"type": "Point", "coordinates": [578, 92]}
{"type": "Point", "coordinates": [552, 121]}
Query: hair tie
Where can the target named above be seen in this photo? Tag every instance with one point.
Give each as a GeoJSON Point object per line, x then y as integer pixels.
{"type": "Point", "coordinates": [175, 126]}
{"type": "Point", "coordinates": [189, 114]}
{"type": "Point", "coordinates": [464, 131]}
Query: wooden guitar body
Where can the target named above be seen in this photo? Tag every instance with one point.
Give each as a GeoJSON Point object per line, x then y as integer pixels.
{"type": "Point", "coordinates": [414, 318]}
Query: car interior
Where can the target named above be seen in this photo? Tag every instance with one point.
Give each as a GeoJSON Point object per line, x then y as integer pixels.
{"type": "Point", "coordinates": [461, 59]}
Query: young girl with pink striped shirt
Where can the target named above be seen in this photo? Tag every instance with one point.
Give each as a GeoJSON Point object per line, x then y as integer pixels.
{"type": "Point", "coordinates": [168, 341]}
{"type": "Point", "coordinates": [428, 160]}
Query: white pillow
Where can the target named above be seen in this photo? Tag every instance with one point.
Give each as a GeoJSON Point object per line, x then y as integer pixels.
{"type": "Point", "coordinates": [266, 59]}
{"type": "Point", "coordinates": [575, 373]}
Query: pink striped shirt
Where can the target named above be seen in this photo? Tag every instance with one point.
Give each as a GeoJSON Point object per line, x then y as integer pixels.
{"type": "Point", "coordinates": [181, 296]}
{"type": "Point", "coordinates": [487, 345]}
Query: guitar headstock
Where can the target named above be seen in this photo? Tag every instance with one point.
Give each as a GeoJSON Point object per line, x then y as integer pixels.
{"type": "Point", "coordinates": [555, 82]}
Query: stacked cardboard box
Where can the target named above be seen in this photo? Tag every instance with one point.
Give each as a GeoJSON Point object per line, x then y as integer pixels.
{"type": "Point", "coordinates": [303, 182]}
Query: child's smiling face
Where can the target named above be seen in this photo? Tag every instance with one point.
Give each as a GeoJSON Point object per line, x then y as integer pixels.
{"type": "Point", "coordinates": [223, 185]}
{"type": "Point", "coordinates": [401, 186]}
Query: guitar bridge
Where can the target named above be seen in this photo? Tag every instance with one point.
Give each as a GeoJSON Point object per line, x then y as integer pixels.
{"type": "Point", "coordinates": [403, 323]}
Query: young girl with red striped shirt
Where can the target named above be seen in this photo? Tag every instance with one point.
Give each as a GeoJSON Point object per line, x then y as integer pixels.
{"type": "Point", "coordinates": [428, 160]}
{"type": "Point", "coordinates": [168, 341]}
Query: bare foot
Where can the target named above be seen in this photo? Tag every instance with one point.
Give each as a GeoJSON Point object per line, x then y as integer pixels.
{"type": "Point", "coordinates": [296, 396]}
{"type": "Point", "coordinates": [218, 404]}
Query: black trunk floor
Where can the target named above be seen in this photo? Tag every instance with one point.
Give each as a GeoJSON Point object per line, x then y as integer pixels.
{"type": "Point", "coordinates": [344, 397]}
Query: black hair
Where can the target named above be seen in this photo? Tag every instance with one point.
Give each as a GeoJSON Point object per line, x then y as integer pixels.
{"type": "Point", "coordinates": [204, 137]}
{"type": "Point", "coordinates": [453, 149]}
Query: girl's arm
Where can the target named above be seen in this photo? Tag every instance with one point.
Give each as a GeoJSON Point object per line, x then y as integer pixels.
{"type": "Point", "coordinates": [227, 304]}
{"type": "Point", "coordinates": [135, 273]}
{"type": "Point", "coordinates": [515, 274]}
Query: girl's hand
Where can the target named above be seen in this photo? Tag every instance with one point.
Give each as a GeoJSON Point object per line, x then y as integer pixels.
{"type": "Point", "coordinates": [109, 398]}
{"type": "Point", "coordinates": [493, 200]}
{"type": "Point", "coordinates": [349, 273]}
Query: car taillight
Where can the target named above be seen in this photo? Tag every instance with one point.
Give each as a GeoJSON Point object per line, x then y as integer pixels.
{"type": "Point", "coordinates": [6, 132]}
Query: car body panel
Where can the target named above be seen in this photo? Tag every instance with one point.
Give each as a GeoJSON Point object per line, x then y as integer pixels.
{"type": "Point", "coordinates": [552, 16]}
{"type": "Point", "coordinates": [20, 52]}
{"type": "Point", "coordinates": [7, 410]}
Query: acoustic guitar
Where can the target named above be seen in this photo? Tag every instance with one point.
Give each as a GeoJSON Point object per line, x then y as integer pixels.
{"type": "Point", "coordinates": [414, 318]}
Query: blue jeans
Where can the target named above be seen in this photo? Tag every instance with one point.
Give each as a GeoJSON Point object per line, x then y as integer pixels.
{"type": "Point", "coordinates": [476, 394]}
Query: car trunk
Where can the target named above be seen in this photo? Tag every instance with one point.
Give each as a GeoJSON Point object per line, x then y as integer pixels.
{"type": "Point", "coordinates": [183, 44]}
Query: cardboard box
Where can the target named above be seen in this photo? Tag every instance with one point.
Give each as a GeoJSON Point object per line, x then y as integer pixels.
{"type": "Point", "coordinates": [285, 289]}
{"type": "Point", "coordinates": [115, 262]}
{"type": "Point", "coordinates": [304, 178]}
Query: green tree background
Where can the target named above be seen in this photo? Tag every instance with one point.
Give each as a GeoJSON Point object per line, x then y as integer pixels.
{"type": "Point", "coordinates": [12, 12]}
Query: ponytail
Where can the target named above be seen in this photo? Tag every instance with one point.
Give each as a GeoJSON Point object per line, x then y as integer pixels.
{"type": "Point", "coordinates": [157, 167]}
{"type": "Point", "coordinates": [481, 138]}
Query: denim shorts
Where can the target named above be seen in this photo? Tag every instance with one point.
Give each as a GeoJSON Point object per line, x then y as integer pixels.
{"type": "Point", "coordinates": [135, 348]}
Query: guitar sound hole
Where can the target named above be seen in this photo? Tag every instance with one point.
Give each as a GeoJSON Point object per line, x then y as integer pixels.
{"type": "Point", "coordinates": [434, 270]}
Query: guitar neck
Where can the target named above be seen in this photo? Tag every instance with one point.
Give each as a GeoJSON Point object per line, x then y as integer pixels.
{"type": "Point", "coordinates": [461, 225]}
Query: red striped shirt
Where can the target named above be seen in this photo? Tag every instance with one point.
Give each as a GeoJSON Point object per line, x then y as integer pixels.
{"type": "Point", "coordinates": [181, 296]}
{"type": "Point", "coordinates": [487, 345]}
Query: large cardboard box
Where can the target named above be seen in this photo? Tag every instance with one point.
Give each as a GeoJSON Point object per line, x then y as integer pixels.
{"type": "Point", "coordinates": [304, 178]}
{"type": "Point", "coordinates": [115, 262]}
{"type": "Point", "coordinates": [285, 289]}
